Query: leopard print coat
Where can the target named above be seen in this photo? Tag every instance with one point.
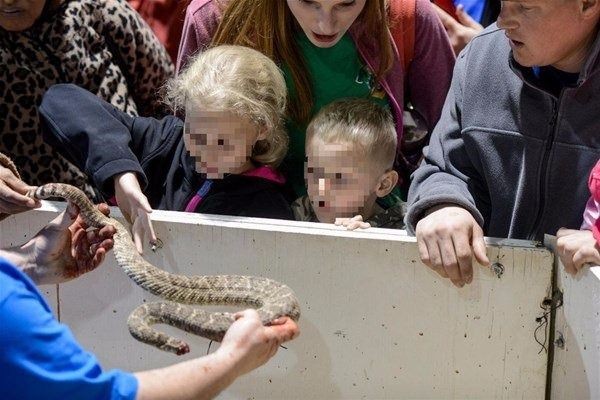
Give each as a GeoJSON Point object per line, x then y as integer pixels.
{"type": "Point", "coordinates": [100, 45]}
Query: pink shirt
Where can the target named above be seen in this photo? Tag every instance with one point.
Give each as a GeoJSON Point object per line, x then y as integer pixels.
{"type": "Point", "coordinates": [592, 208]}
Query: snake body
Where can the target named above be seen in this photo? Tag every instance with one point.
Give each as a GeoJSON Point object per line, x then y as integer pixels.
{"type": "Point", "coordinates": [271, 299]}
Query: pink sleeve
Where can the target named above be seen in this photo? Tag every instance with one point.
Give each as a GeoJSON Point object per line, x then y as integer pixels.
{"type": "Point", "coordinates": [591, 214]}
{"type": "Point", "coordinates": [201, 22]}
{"type": "Point", "coordinates": [430, 72]}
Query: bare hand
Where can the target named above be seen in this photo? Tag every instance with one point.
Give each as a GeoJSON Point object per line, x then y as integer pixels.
{"type": "Point", "coordinates": [12, 194]}
{"type": "Point", "coordinates": [576, 249]}
{"type": "Point", "coordinates": [352, 223]}
{"type": "Point", "coordinates": [448, 238]}
{"type": "Point", "coordinates": [64, 250]}
{"type": "Point", "coordinates": [251, 344]}
{"type": "Point", "coordinates": [460, 32]}
{"type": "Point", "coordinates": [136, 209]}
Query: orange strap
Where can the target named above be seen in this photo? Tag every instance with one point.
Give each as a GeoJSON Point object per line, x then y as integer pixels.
{"type": "Point", "coordinates": [402, 28]}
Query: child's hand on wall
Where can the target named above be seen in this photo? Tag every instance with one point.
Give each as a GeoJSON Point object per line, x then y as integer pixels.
{"type": "Point", "coordinates": [135, 207]}
{"type": "Point", "coordinates": [352, 223]}
{"type": "Point", "coordinates": [576, 249]}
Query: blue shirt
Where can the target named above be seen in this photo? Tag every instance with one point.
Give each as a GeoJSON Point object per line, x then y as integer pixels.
{"type": "Point", "coordinates": [40, 358]}
{"type": "Point", "coordinates": [473, 7]}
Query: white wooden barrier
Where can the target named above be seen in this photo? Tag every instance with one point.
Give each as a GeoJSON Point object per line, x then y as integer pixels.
{"type": "Point", "coordinates": [576, 369]}
{"type": "Point", "coordinates": [375, 322]}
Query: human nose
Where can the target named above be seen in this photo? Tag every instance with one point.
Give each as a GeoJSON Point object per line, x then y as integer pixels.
{"type": "Point", "coordinates": [9, 2]}
{"type": "Point", "coordinates": [326, 22]}
{"type": "Point", "coordinates": [507, 17]}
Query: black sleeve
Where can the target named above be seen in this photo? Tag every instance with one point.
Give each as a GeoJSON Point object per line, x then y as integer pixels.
{"type": "Point", "coordinates": [103, 141]}
{"type": "Point", "coordinates": [270, 203]}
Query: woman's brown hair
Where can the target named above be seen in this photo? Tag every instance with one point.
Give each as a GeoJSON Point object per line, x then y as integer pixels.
{"type": "Point", "coordinates": [268, 26]}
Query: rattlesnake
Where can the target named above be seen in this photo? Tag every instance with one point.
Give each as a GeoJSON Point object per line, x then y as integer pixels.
{"type": "Point", "coordinates": [272, 299]}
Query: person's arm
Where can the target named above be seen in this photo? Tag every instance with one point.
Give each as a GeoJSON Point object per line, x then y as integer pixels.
{"type": "Point", "coordinates": [246, 346]}
{"type": "Point", "coordinates": [445, 194]}
{"type": "Point", "coordinates": [146, 64]}
{"type": "Point", "coordinates": [199, 26]}
{"type": "Point", "coordinates": [460, 31]}
{"type": "Point", "coordinates": [103, 141]}
{"type": "Point", "coordinates": [135, 207]}
{"type": "Point", "coordinates": [430, 72]}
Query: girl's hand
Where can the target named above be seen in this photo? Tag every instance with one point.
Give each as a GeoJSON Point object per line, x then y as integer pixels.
{"type": "Point", "coordinates": [135, 207]}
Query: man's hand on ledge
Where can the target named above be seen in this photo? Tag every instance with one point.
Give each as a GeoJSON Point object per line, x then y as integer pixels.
{"type": "Point", "coordinates": [448, 237]}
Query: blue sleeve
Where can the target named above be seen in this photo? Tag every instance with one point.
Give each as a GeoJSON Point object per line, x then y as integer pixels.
{"type": "Point", "coordinates": [40, 358]}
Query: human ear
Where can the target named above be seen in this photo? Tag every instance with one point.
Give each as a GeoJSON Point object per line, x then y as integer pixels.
{"type": "Point", "coordinates": [386, 183]}
{"type": "Point", "coordinates": [589, 8]}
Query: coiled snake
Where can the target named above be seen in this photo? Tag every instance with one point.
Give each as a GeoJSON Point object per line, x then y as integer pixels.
{"type": "Point", "coordinates": [271, 299]}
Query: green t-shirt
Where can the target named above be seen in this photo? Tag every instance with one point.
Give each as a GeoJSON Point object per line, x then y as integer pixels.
{"type": "Point", "coordinates": [336, 72]}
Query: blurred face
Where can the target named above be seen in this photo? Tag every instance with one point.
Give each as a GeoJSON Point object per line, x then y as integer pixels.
{"type": "Point", "coordinates": [340, 183]}
{"type": "Point", "coordinates": [549, 32]}
{"type": "Point", "coordinates": [219, 141]}
{"type": "Point", "coordinates": [325, 21]}
{"type": "Point", "coordinates": [19, 15]}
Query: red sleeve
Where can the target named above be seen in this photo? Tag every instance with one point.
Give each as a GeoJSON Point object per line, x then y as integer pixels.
{"type": "Point", "coordinates": [201, 22]}
{"type": "Point", "coordinates": [430, 73]}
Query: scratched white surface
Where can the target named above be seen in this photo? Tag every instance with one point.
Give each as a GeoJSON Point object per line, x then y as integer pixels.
{"type": "Point", "coordinates": [375, 322]}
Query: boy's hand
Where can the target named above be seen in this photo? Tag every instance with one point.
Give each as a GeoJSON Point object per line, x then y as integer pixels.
{"type": "Point", "coordinates": [576, 249]}
{"type": "Point", "coordinates": [250, 344]}
{"type": "Point", "coordinates": [352, 223]}
{"type": "Point", "coordinates": [135, 207]}
{"type": "Point", "coordinates": [448, 238]}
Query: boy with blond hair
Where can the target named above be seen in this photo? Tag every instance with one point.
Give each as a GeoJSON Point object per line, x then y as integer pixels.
{"type": "Point", "coordinates": [350, 151]}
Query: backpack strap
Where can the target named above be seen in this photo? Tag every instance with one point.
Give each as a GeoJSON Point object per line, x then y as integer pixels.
{"type": "Point", "coordinates": [402, 28]}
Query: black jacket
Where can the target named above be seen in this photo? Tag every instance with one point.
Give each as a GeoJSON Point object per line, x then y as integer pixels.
{"type": "Point", "coordinates": [104, 141]}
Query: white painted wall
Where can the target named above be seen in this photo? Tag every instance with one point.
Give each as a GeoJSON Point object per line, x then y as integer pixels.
{"type": "Point", "coordinates": [576, 371]}
{"type": "Point", "coordinates": [375, 322]}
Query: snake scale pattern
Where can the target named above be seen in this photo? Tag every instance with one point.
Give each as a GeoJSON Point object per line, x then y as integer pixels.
{"type": "Point", "coordinates": [271, 299]}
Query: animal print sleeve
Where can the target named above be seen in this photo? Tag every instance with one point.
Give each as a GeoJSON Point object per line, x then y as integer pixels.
{"type": "Point", "coordinates": [143, 58]}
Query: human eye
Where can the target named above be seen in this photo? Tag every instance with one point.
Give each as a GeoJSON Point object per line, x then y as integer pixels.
{"type": "Point", "coordinates": [309, 3]}
{"type": "Point", "coordinates": [346, 4]}
{"type": "Point", "coordinates": [315, 173]}
{"type": "Point", "coordinates": [525, 7]}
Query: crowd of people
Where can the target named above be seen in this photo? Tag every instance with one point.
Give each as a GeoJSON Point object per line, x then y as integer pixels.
{"type": "Point", "coordinates": [450, 119]}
